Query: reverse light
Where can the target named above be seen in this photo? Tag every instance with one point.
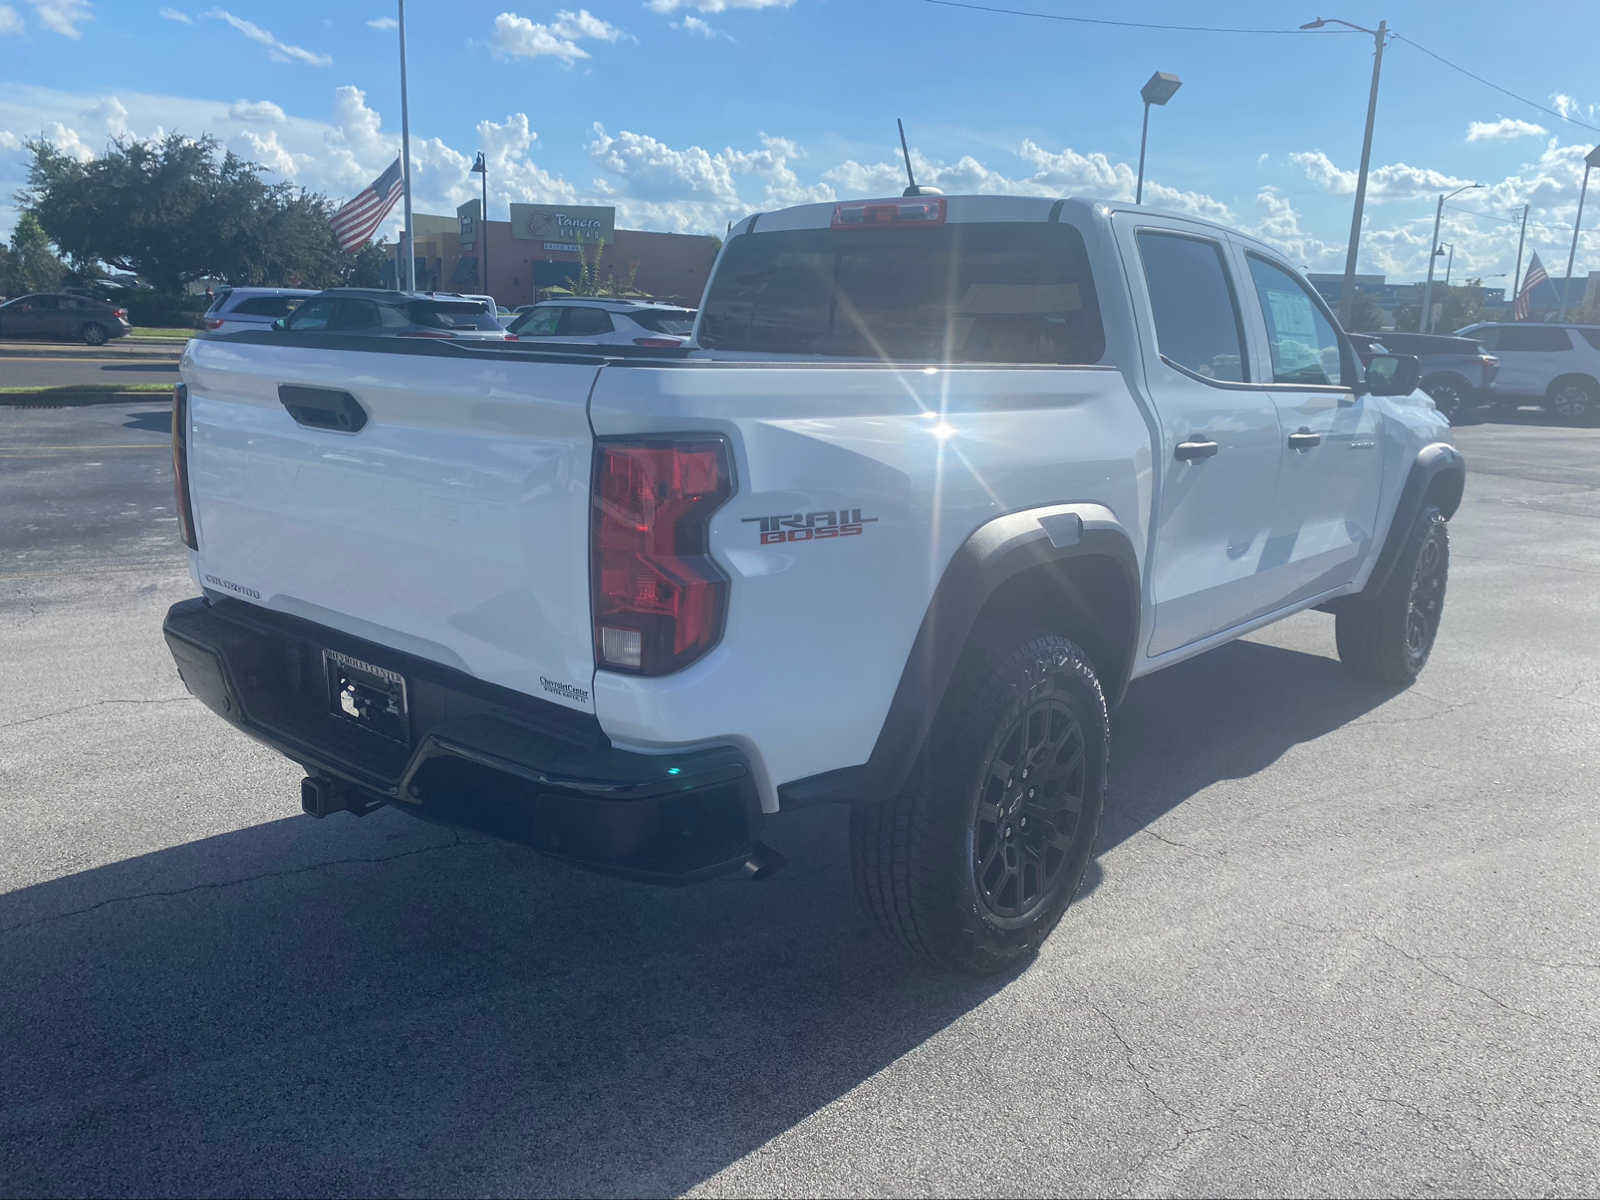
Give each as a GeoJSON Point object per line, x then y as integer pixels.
{"type": "Point", "coordinates": [658, 598]}
{"type": "Point", "coordinates": [180, 465]}
{"type": "Point", "coordinates": [881, 214]}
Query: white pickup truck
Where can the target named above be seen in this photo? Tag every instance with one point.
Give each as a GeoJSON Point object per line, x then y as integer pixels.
{"type": "Point", "coordinates": [941, 477]}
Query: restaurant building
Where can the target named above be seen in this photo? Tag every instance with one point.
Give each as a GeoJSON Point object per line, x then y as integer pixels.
{"type": "Point", "coordinates": [543, 245]}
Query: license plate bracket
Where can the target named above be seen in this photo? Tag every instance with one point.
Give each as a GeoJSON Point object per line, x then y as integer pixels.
{"type": "Point", "coordinates": [368, 695]}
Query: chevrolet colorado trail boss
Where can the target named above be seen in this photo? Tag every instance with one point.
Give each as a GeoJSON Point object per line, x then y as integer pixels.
{"type": "Point", "coordinates": [936, 479]}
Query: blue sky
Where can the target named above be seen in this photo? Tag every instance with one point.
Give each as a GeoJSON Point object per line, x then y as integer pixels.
{"type": "Point", "coordinates": [688, 113]}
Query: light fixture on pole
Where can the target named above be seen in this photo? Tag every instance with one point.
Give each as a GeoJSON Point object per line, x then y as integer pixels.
{"type": "Point", "coordinates": [407, 275]}
{"type": "Point", "coordinates": [1347, 294]}
{"type": "Point", "coordinates": [1591, 159]}
{"type": "Point", "coordinates": [1448, 263]}
{"type": "Point", "coordinates": [479, 167]}
{"type": "Point", "coordinates": [1157, 90]}
{"type": "Point", "coordinates": [1425, 325]}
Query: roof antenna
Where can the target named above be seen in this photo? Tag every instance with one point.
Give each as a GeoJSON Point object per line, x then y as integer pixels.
{"type": "Point", "coordinates": [911, 180]}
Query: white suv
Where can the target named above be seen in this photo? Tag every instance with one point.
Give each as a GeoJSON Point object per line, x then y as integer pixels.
{"type": "Point", "coordinates": [1557, 364]}
{"type": "Point", "coordinates": [606, 323]}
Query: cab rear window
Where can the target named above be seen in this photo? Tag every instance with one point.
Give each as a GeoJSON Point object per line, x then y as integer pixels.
{"type": "Point", "coordinates": [997, 292]}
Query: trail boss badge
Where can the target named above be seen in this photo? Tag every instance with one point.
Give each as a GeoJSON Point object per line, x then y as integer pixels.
{"type": "Point", "coordinates": [811, 527]}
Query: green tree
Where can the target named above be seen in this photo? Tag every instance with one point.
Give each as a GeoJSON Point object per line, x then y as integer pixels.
{"type": "Point", "coordinates": [1461, 305]}
{"type": "Point", "coordinates": [181, 208]}
{"type": "Point", "coordinates": [31, 265]}
{"type": "Point", "coordinates": [1366, 314]}
{"type": "Point", "coordinates": [366, 267]}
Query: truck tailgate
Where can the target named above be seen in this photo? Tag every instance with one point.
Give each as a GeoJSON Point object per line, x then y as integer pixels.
{"type": "Point", "coordinates": [452, 525]}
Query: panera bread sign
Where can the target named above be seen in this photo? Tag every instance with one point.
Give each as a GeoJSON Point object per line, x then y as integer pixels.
{"type": "Point", "coordinates": [563, 223]}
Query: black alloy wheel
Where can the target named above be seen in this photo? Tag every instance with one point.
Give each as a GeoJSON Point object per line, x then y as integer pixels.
{"type": "Point", "coordinates": [1425, 605]}
{"type": "Point", "coordinates": [1026, 813]}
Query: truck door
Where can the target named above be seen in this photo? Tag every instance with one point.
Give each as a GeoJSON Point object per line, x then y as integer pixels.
{"type": "Point", "coordinates": [1328, 484]}
{"type": "Point", "coordinates": [1219, 439]}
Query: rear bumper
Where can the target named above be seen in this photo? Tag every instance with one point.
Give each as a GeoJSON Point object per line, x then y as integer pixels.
{"type": "Point", "coordinates": [478, 756]}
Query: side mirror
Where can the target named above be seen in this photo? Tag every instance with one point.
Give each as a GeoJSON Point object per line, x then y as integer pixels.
{"type": "Point", "coordinates": [281, 324]}
{"type": "Point", "coordinates": [1393, 374]}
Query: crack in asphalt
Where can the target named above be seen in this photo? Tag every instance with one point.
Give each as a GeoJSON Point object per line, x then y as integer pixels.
{"type": "Point", "coordinates": [218, 885]}
{"type": "Point", "coordinates": [1421, 962]}
{"type": "Point", "coordinates": [93, 704]}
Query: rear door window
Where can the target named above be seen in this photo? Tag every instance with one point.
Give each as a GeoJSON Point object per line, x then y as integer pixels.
{"type": "Point", "coordinates": [585, 322]}
{"type": "Point", "coordinates": [1003, 292]}
{"type": "Point", "coordinates": [1196, 313]}
{"type": "Point", "coordinates": [313, 314]}
{"type": "Point", "coordinates": [1532, 339]}
{"type": "Point", "coordinates": [1303, 341]}
{"type": "Point", "coordinates": [538, 322]}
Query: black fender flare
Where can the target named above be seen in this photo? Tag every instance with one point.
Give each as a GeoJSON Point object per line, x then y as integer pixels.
{"type": "Point", "coordinates": [1437, 470]}
{"type": "Point", "coordinates": [996, 552]}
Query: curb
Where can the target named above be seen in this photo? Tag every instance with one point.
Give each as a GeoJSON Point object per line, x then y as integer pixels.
{"type": "Point", "coordinates": [70, 399]}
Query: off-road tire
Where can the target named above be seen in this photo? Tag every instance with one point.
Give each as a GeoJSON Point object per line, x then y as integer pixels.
{"type": "Point", "coordinates": [93, 334]}
{"type": "Point", "coordinates": [1387, 635]}
{"type": "Point", "coordinates": [1450, 396]}
{"type": "Point", "coordinates": [914, 855]}
{"type": "Point", "coordinates": [1574, 398]}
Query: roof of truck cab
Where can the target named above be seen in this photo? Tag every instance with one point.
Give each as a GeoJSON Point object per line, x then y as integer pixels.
{"type": "Point", "coordinates": [1076, 210]}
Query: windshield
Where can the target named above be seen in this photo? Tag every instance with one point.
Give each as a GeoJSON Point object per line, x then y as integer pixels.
{"type": "Point", "coordinates": [981, 292]}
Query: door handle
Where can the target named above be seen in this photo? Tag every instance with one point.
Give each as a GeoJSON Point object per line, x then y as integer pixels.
{"type": "Point", "coordinates": [1195, 447]}
{"type": "Point", "coordinates": [1304, 440]}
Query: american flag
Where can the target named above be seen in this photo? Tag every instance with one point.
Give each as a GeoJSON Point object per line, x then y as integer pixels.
{"type": "Point", "coordinates": [354, 224]}
{"type": "Point", "coordinates": [1533, 279]}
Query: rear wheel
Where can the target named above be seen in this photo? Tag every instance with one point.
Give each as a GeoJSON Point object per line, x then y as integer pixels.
{"type": "Point", "coordinates": [1574, 398]}
{"type": "Point", "coordinates": [1387, 635]}
{"type": "Point", "coordinates": [1449, 397]}
{"type": "Point", "coordinates": [973, 864]}
{"type": "Point", "coordinates": [93, 334]}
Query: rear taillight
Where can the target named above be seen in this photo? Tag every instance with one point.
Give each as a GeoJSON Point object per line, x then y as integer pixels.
{"type": "Point", "coordinates": [180, 464]}
{"type": "Point", "coordinates": [213, 322]}
{"type": "Point", "coordinates": [120, 314]}
{"type": "Point", "coordinates": [658, 598]}
{"type": "Point", "coordinates": [882, 214]}
{"type": "Point", "coordinates": [659, 343]}
{"type": "Point", "coordinates": [1491, 365]}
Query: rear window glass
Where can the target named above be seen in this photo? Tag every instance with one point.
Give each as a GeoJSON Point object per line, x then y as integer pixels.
{"type": "Point", "coordinates": [219, 299]}
{"type": "Point", "coordinates": [984, 292]}
{"type": "Point", "coordinates": [451, 314]}
{"type": "Point", "coordinates": [267, 306]}
{"type": "Point", "coordinates": [666, 320]}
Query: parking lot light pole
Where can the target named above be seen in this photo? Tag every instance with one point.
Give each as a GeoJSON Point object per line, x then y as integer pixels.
{"type": "Point", "coordinates": [1347, 294]}
{"type": "Point", "coordinates": [1425, 325]}
{"type": "Point", "coordinates": [479, 167]}
{"type": "Point", "coordinates": [406, 277]}
{"type": "Point", "coordinates": [1592, 159]}
{"type": "Point", "coordinates": [1158, 89]}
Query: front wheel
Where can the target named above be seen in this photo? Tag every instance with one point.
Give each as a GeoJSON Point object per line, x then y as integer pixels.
{"type": "Point", "coordinates": [973, 863]}
{"type": "Point", "coordinates": [93, 334]}
{"type": "Point", "coordinates": [1387, 635]}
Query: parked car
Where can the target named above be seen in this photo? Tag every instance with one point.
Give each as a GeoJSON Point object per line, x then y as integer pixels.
{"type": "Point", "coordinates": [606, 322]}
{"type": "Point", "coordinates": [1366, 345]}
{"type": "Point", "coordinates": [1456, 371]}
{"type": "Point", "coordinates": [57, 315]}
{"type": "Point", "coordinates": [234, 309]}
{"type": "Point", "coordinates": [1556, 365]}
{"type": "Point", "coordinates": [380, 313]}
{"type": "Point", "coordinates": [946, 474]}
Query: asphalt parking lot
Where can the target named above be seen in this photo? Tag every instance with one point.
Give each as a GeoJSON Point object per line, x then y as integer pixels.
{"type": "Point", "coordinates": [1337, 940]}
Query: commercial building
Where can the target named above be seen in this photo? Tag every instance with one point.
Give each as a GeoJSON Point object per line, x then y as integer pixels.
{"type": "Point", "coordinates": [544, 246]}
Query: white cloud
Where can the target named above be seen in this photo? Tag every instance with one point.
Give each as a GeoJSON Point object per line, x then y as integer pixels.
{"type": "Point", "coordinates": [277, 51]}
{"type": "Point", "coordinates": [714, 6]}
{"type": "Point", "coordinates": [1502, 129]}
{"type": "Point", "coordinates": [111, 114]}
{"type": "Point", "coordinates": [10, 21]}
{"type": "Point", "coordinates": [1569, 106]}
{"type": "Point", "coordinates": [384, 23]}
{"type": "Point", "coordinates": [518, 37]}
{"type": "Point", "coordinates": [9, 140]}
{"type": "Point", "coordinates": [63, 16]}
{"type": "Point", "coordinates": [702, 28]}
{"type": "Point", "coordinates": [264, 111]}
{"type": "Point", "coordinates": [1393, 180]}
{"type": "Point", "coordinates": [268, 151]}
{"type": "Point", "coordinates": [172, 14]}
{"type": "Point", "coordinates": [1280, 226]}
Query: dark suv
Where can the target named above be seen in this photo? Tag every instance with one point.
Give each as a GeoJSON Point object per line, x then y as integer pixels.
{"type": "Point", "coordinates": [57, 315]}
{"type": "Point", "coordinates": [1456, 371]}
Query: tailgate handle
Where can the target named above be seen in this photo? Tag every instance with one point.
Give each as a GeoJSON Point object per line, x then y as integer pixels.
{"type": "Point", "coordinates": [322, 408]}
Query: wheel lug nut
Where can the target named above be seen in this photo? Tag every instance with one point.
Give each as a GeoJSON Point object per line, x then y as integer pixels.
{"type": "Point", "coordinates": [1008, 831]}
{"type": "Point", "coordinates": [1030, 793]}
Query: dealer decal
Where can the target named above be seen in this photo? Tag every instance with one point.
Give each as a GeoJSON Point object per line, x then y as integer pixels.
{"type": "Point", "coordinates": [782, 528]}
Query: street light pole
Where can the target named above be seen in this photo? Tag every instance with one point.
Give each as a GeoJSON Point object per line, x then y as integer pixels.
{"type": "Point", "coordinates": [1448, 264]}
{"type": "Point", "coordinates": [1158, 89]}
{"type": "Point", "coordinates": [1379, 36]}
{"type": "Point", "coordinates": [480, 167]}
{"type": "Point", "coordinates": [1590, 160]}
{"type": "Point", "coordinates": [1516, 275]}
{"type": "Point", "coordinates": [409, 273]}
{"type": "Point", "coordinates": [1425, 324]}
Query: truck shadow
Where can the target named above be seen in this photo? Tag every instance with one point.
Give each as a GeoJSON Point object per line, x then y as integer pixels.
{"type": "Point", "coordinates": [379, 1006]}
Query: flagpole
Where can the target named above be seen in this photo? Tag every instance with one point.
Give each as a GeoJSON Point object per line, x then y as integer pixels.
{"type": "Point", "coordinates": [409, 272]}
